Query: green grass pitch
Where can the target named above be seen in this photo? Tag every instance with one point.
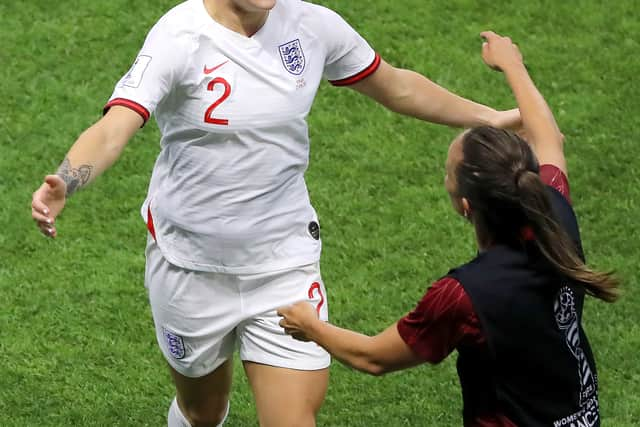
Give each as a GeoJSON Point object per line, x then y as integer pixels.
{"type": "Point", "coordinates": [76, 339]}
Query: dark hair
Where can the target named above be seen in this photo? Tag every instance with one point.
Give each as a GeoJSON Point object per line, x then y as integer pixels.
{"type": "Point", "coordinates": [499, 176]}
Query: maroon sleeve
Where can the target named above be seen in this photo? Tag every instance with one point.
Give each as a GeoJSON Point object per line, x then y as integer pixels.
{"type": "Point", "coordinates": [554, 177]}
{"type": "Point", "coordinates": [441, 321]}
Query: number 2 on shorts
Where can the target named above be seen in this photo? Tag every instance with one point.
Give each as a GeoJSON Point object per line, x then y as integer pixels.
{"type": "Point", "coordinates": [315, 286]}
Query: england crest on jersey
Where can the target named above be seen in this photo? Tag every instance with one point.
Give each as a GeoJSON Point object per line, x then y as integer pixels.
{"type": "Point", "coordinates": [292, 56]}
{"type": "Point", "coordinates": [175, 344]}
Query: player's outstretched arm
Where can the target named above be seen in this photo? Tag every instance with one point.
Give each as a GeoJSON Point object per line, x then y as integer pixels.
{"type": "Point", "coordinates": [375, 355]}
{"type": "Point", "coordinates": [412, 94]}
{"type": "Point", "coordinates": [539, 124]}
{"type": "Point", "coordinates": [93, 152]}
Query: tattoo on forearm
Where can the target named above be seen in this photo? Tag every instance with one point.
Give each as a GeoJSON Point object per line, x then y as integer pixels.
{"type": "Point", "coordinates": [75, 178]}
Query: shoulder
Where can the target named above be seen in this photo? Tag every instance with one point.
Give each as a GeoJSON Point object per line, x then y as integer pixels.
{"type": "Point", "coordinates": [445, 298]}
{"type": "Point", "coordinates": [443, 320]}
{"type": "Point", "coordinates": [477, 262]}
{"type": "Point", "coordinates": [552, 176]}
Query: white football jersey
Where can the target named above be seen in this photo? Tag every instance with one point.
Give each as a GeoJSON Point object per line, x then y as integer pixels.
{"type": "Point", "coordinates": [227, 193]}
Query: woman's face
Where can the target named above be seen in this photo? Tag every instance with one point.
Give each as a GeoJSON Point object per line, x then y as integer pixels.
{"type": "Point", "coordinates": [454, 157]}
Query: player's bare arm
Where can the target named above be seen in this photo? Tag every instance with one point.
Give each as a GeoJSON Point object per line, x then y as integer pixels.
{"type": "Point", "coordinates": [377, 355]}
{"type": "Point", "coordinates": [98, 148]}
{"type": "Point", "coordinates": [93, 152]}
{"type": "Point", "coordinates": [413, 94]}
{"type": "Point", "coordinates": [539, 124]}
{"type": "Point", "coordinates": [73, 178]}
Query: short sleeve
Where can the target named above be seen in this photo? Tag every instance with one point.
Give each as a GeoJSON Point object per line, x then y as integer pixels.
{"type": "Point", "coordinates": [554, 177]}
{"type": "Point", "coordinates": [154, 73]}
{"type": "Point", "coordinates": [443, 320]}
{"type": "Point", "coordinates": [349, 58]}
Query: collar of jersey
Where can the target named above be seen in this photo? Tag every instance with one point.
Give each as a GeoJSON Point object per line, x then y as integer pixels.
{"type": "Point", "coordinates": [248, 40]}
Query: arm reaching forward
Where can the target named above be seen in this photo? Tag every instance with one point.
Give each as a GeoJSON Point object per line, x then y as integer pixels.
{"type": "Point", "coordinates": [94, 151]}
{"type": "Point", "coordinates": [412, 94]}
{"type": "Point", "coordinates": [375, 355]}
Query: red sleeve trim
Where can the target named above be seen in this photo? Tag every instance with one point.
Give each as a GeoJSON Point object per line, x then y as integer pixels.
{"type": "Point", "coordinates": [359, 76]}
{"type": "Point", "coordinates": [552, 176]}
{"type": "Point", "coordinates": [144, 113]}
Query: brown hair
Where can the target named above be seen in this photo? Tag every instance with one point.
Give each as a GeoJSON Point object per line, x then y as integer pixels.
{"type": "Point", "coordinates": [499, 176]}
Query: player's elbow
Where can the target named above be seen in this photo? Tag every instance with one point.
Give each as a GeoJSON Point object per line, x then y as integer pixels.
{"type": "Point", "coordinates": [370, 368]}
{"type": "Point", "coordinates": [377, 369]}
{"type": "Point", "coordinates": [372, 365]}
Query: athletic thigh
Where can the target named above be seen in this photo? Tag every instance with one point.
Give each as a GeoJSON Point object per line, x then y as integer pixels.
{"type": "Point", "coordinates": [195, 316]}
{"type": "Point", "coordinates": [287, 397]}
{"type": "Point", "coordinates": [288, 377]}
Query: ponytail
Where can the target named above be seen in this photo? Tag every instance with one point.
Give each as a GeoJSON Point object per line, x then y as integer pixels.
{"type": "Point", "coordinates": [499, 176]}
{"type": "Point", "coordinates": [554, 243]}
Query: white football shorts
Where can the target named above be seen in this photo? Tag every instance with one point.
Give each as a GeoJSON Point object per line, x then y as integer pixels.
{"type": "Point", "coordinates": [201, 317]}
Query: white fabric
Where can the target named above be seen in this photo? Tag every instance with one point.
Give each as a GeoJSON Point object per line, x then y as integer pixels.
{"type": "Point", "coordinates": [231, 197]}
{"type": "Point", "coordinates": [200, 317]}
{"type": "Point", "coordinates": [175, 417]}
{"type": "Point", "coordinates": [226, 414]}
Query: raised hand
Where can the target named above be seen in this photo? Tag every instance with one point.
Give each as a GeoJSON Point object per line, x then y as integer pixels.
{"type": "Point", "coordinates": [499, 52]}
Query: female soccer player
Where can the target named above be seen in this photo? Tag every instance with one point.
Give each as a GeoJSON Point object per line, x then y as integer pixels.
{"type": "Point", "coordinates": [234, 235]}
{"type": "Point", "coordinates": [514, 312]}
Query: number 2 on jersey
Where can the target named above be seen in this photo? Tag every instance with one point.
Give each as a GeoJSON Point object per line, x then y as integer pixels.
{"type": "Point", "coordinates": [208, 115]}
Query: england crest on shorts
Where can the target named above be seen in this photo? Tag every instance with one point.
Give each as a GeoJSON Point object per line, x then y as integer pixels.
{"type": "Point", "coordinates": [292, 57]}
{"type": "Point", "coordinates": [175, 344]}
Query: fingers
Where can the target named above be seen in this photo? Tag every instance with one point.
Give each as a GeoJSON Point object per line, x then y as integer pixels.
{"type": "Point", "coordinates": [50, 194]}
{"type": "Point", "coordinates": [288, 329]}
{"type": "Point", "coordinates": [47, 229]}
{"type": "Point", "coordinates": [54, 181]}
{"type": "Point", "coordinates": [295, 333]}
{"type": "Point", "coordinates": [45, 224]}
{"type": "Point", "coordinates": [40, 213]}
{"type": "Point", "coordinates": [485, 49]}
{"type": "Point", "coordinates": [37, 216]}
{"type": "Point", "coordinates": [284, 323]}
{"type": "Point", "coordinates": [489, 35]}
{"type": "Point", "coordinates": [38, 206]}
{"type": "Point", "coordinates": [57, 188]}
{"type": "Point", "coordinates": [284, 311]}
{"type": "Point", "coordinates": [299, 337]}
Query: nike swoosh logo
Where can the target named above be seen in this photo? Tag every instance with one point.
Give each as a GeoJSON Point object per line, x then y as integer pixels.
{"type": "Point", "coordinates": [212, 69]}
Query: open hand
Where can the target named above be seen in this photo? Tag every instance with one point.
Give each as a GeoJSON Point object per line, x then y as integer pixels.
{"type": "Point", "coordinates": [47, 202]}
{"type": "Point", "coordinates": [298, 319]}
